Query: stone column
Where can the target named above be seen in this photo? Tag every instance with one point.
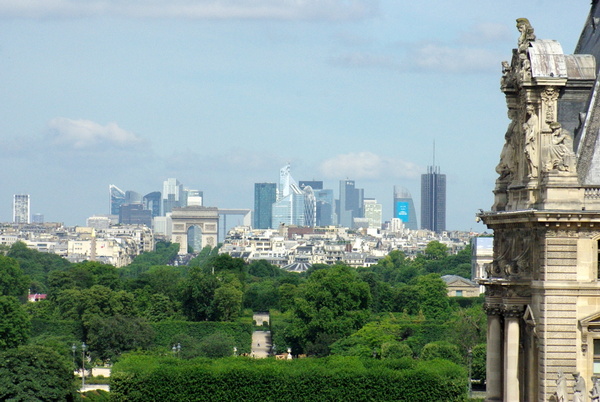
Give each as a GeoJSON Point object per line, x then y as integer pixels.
{"type": "Point", "coordinates": [494, 365]}
{"type": "Point", "coordinates": [512, 386]}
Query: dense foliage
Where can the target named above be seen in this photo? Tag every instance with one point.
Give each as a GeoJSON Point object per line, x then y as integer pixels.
{"type": "Point", "coordinates": [395, 309]}
{"type": "Point", "coordinates": [35, 373]}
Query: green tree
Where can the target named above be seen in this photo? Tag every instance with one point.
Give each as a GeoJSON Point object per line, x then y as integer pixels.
{"type": "Point", "coordinates": [37, 265]}
{"type": "Point", "coordinates": [263, 269]}
{"type": "Point", "coordinates": [227, 303]}
{"type": "Point", "coordinates": [261, 296]}
{"type": "Point", "coordinates": [216, 345]}
{"type": "Point", "coordinates": [436, 251]}
{"type": "Point", "coordinates": [198, 294]}
{"type": "Point", "coordinates": [13, 281]}
{"type": "Point", "coordinates": [160, 308]}
{"type": "Point", "coordinates": [164, 253]}
{"type": "Point", "coordinates": [332, 304]}
{"type": "Point", "coordinates": [468, 327]}
{"type": "Point", "coordinates": [109, 337]}
{"type": "Point", "coordinates": [35, 373]}
{"type": "Point", "coordinates": [478, 365]}
{"type": "Point", "coordinates": [433, 297]}
{"type": "Point", "coordinates": [14, 323]}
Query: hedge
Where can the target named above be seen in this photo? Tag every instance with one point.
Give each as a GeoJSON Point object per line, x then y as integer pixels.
{"type": "Point", "coordinates": [167, 330]}
{"type": "Point", "coordinates": [67, 328]}
{"type": "Point", "coordinates": [147, 378]}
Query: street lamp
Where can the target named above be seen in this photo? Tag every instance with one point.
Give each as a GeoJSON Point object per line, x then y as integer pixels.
{"type": "Point", "coordinates": [83, 349]}
{"type": "Point", "coordinates": [470, 361]}
{"type": "Point", "coordinates": [74, 349]}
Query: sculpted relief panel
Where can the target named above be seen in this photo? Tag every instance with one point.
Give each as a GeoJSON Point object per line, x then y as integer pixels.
{"type": "Point", "coordinates": [536, 146]}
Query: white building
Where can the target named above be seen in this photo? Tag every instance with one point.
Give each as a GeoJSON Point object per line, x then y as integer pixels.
{"type": "Point", "coordinates": [21, 208]}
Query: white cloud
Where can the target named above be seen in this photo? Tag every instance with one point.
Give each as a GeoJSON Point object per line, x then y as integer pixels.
{"type": "Point", "coordinates": [192, 9]}
{"type": "Point", "coordinates": [488, 32]}
{"type": "Point", "coordinates": [444, 58]}
{"type": "Point", "coordinates": [82, 134]}
{"type": "Point", "coordinates": [367, 165]}
{"type": "Point", "coordinates": [425, 58]}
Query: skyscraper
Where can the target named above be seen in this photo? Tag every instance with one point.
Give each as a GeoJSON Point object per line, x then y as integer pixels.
{"type": "Point", "coordinates": [433, 200]}
{"type": "Point", "coordinates": [325, 207]}
{"type": "Point", "coordinates": [373, 212]}
{"type": "Point", "coordinates": [404, 208]}
{"type": "Point", "coordinates": [289, 208]}
{"type": "Point", "coordinates": [21, 207]}
{"type": "Point", "coordinates": [172, 195]}
{"type": "Point", "coordinates": [151, 202]}
{"type": "Point", "coordinates": [351, 203]}
{"type": "Point", "coordinates": [265, 195]}
{"type": "Point", "coordinates": [116, 199]}
{"type": "Point", "coordinates": [310, 207]}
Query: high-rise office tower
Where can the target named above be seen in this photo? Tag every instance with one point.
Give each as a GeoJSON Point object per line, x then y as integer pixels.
{"type": "Point", "coordinates": [433, 200]}
{"type": "Point", "coordinates": [21, 207]}
{"type": "Point", "coordinates": [135, 214]}
{"type": "Point", "coordinates": [289, 208]}
{"type": "Point", "coordinates": [265, 195]}
{"type": "Point", "coordinates": [116, 199]}
{"type": "Point", "coordinates": [172, 195]}
{"type": "Point", "coordinates": [350, 203]}
{"type": "Point", "coordinates": [310, 207]}
{"type": "Point", "coordinates": [373, 212]}
{"type": "Point", "coordinates": [404, 208]}
{"type": "Point", "coordinates": [151, 202]}
{"type": "Point", "coordinates": [325, 207]}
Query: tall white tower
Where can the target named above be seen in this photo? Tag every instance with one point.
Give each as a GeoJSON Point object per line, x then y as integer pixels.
{"type": "Point", "coordinates": [21, 208]}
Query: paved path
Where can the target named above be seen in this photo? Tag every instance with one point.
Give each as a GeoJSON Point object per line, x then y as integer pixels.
{"type": "Point", "coordinates": [261, 340]}
{"type": "Point", "coordinates": [261, 344]}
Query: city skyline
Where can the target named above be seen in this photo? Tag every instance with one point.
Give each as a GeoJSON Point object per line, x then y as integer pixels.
{"type": "Point", "coordinates": [343, 90]}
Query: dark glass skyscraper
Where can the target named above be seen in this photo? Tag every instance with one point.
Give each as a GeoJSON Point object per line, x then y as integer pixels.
{"type": "Point", "coordinates": [152, 201]}
{"type": "Point", "coordinates": [265, 194]}
{"type": "Point", "coordinates": [351, 203]}
{"type": "Point", "coordinates": [433, 200]}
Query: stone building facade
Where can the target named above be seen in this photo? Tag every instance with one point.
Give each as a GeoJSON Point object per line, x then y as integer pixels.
{"type": "Point", "coordinates": [543, 285]}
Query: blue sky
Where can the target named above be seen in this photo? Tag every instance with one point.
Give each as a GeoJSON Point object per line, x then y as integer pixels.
{"type": "Point", "coordinates": [221, 94]}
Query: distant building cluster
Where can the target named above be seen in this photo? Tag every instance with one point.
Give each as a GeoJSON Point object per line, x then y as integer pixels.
{"type": "Point", "coordinates": [99, 241]}
{"type": "Point", "coordinates": [177, 214]}
{"type": "Point", "coordinates": [307, 203]}
{"type": "Point", "coordinates": [296, 248]}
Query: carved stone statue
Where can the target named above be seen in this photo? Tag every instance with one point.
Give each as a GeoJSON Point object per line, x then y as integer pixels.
{"type": "Point", "coordinates": [561, 149]}
{"type": "Point", "coordinates": [561, 387]}
{"type": "Point", "coordinates": [506, 79]}
{"type": "Point", "coordinates": [530, 128]}
{"type": "Point", "coordinates": [579, 390]}
{"type": "Point", "coordinates": [595, 392]}
{"type": "Point", "coordinates": [525, 38]}
{"type": "Point", "coordinates": [527, 34]}
{"type": "Point", "coordinates": [506, 165]}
